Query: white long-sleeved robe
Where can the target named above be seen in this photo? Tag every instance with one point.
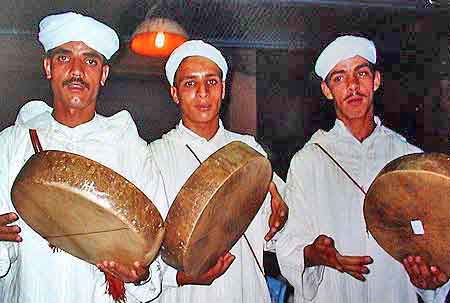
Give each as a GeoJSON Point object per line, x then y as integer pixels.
{"type": "Point", "coordinates": [324, 201]}
{"type": "Point", "coordinates": [30, 272]}
{"type": "Point", "coordinates": [242, 282]}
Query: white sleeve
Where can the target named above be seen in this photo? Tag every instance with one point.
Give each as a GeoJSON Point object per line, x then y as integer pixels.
{"type": "Point", "coordinates": [438, 295]}
{"type": "Point", "coordinates": [8, 250]}
{"type": "Point", "coordinates": [170, 276]}
{"type": "Point", "coordinates": [300, 230]}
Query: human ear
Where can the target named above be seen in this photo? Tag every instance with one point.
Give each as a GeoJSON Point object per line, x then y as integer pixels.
{"type": "Point", "coordinates": [48, 67]}
{"type": "Point", "coordinates": [326, 90]}
{"type": "Point", "coordinates": [376, 80]}
{"type": "Point", "coordinates": [105, 73]}
{"type": "Point", "coordinates": [174, 94]}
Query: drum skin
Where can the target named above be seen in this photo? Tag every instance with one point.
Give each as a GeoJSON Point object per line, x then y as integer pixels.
{"type": "Point", "coordinates": [214, 207]}
{"type": "Point", "coordinates": [87, 209]}
{"type": "Point", "coordinates": [410, 188]}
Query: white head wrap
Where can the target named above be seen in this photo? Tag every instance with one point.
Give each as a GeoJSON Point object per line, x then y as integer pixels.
{"type": "Point", "coordinates": [55, 30]}
{"type": "Point", "coordinates": [194, 48]}
{"type": "Point", "coordinates": [343, 48]}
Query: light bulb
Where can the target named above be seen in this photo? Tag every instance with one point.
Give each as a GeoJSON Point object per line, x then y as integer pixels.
{"type": "Point", "coordinates": [159, 40]}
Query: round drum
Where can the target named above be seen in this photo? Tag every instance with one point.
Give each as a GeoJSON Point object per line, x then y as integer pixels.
{"type": "Point", "coordinates": [214, 207]}
{"type": "Point", "coordinates": [87, 209]}
{"type": "Point", "coordinates": [407, 208]}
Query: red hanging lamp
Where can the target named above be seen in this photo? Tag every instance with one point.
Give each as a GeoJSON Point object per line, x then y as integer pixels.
{"type": "Point", "coordinates": [157, 37]}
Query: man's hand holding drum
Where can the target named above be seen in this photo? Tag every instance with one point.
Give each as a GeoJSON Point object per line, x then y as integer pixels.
{"type": "Point", "coordinates": [136, 274]}
{"type": "Point", "coordinates": [422, 275]}
{"type": "Point", "coordinates": [222, 265]}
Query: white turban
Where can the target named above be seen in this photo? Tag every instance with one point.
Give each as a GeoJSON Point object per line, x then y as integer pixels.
{"type": "Point", "coordinates": [55, 30]}
{"type": "Point", "coordinates": [343, 48]}
{"type": "Point", "coordinates": [194, 48]}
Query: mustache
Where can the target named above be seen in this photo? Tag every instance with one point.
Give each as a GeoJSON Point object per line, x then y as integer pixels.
{"type": "Point", "coordinates": [75, 80]}
{"type": "Point", "coordinates": [357, 93]}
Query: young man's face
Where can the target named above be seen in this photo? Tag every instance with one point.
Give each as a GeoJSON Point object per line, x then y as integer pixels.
{"type": "Point", "coordinates": [198, 90]}
{"type": "Point", "coordinates": [351, 84]}
{"type": "Point", "coordinates": [76, 73]}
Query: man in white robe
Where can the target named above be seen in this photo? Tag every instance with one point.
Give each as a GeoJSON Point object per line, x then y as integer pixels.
{"type": "Point", "coordinates": [325, 250]}
{"type": "Point", "coordinates": [196, 72]}
{"type": "Point", "coordinates": [75, 64]}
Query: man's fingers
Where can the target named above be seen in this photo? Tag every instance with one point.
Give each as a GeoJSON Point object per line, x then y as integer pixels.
{"type": "Point", "coordinates": [12, 229]}
{"type": "Point", "coordinates": [272, 231]}
{"type": "Point", "coordinates": [10, 237]}
{"type": "Point", "coordinates": [227, 261]}
{"type": "Point", "coordinates": [122, 272]}
{"type": "Point", "coordinates": [413, 267]}
{"type": "Point", "coordinates": [357, 269]}
{"type": "Point", "coordinates": [356, 275]}
{"type": "Point", "coordinates": [441, 277]}
{"type": "Point", "coordinates": [8, 218]}
{"type": "Point", "coordinates": [276, 222]}
{"type": "Point", "coordinates": [229, 258]}
{"type": "Point", "coordinates": [222, 263]}
{"type": "Point", "coordinates": [333, 260]}
{"type": "Point", "coordinates": [355, 260]}
{"type": "Point", "coordinates": [9, 233]}
{"type": "Point", "coordinates": [139, 270]}
{"type": "Point", "coordinates": [324, 240]}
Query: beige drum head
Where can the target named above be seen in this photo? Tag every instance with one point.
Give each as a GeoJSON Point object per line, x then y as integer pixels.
{"type": "Point", "coordinates": [87, 209]}
{"type": "Point", "coordinates": [412, 193]}
{"type": "Point", "coordinates": [214, 207]}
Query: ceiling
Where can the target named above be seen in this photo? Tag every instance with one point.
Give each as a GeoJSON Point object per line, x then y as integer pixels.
{"type": "Point", "coordinates": [254, 24]}
{"type": "Point", "coordinates": [251, 23]}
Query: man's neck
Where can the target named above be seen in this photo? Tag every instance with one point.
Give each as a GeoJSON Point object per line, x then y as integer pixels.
{"type": "Point", "coordinates": [205, 130]}
{"type": "Point", "coordinates": [72, 117]}
{"type": "Point", "coordinates": [360, 128]}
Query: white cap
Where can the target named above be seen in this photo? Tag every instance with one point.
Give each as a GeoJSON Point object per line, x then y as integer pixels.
{"type": "Point", "coordinates": [343, 48]}
{"type": "Point", "coordinates": [55, 30]}
{"type": "Point", "coordinates": [194, 48]}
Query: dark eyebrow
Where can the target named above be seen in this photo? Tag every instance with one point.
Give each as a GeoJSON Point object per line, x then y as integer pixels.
{"type": "Point", "coordinates": [335, 72]}
{"type": "Point", "coordinates": [93, 54]}
{"type": "Point", "coordinates": [193, 76]}
{"type": "Point", "coordinates": [61, 50]}
{"type": "Point", "coordinates": [362, 66]}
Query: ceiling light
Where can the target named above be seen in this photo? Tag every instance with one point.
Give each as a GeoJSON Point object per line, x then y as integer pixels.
{"type": "Point", "coordinates": [157, 37]}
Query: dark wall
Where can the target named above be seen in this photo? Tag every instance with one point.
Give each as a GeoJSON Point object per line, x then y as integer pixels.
{"type": "Point", "coordinates": [148, 101]}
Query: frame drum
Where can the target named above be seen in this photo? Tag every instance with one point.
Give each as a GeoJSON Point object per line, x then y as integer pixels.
{"type": "Point", "coordinates": [87, 209]}
{"type": "Point", "coordinates": [214, 207]}
{"type": "Point", "coordinates": [407, 208]}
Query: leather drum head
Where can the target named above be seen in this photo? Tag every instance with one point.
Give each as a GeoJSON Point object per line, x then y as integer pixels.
{"type": "Point", "coordinates": [214, 207]}
{"type": "Point", "coordinates": [87, 209]}
{"type": "Point", "coordinates": [410, 194]}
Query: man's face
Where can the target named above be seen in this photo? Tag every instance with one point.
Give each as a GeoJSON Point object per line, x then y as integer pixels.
{"type": "Point", "coordinates": [76, 73]}
{"type": "Point", "coordinates": [351, 84]}
{"type": "Point", "coordinates": [198, 90]}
